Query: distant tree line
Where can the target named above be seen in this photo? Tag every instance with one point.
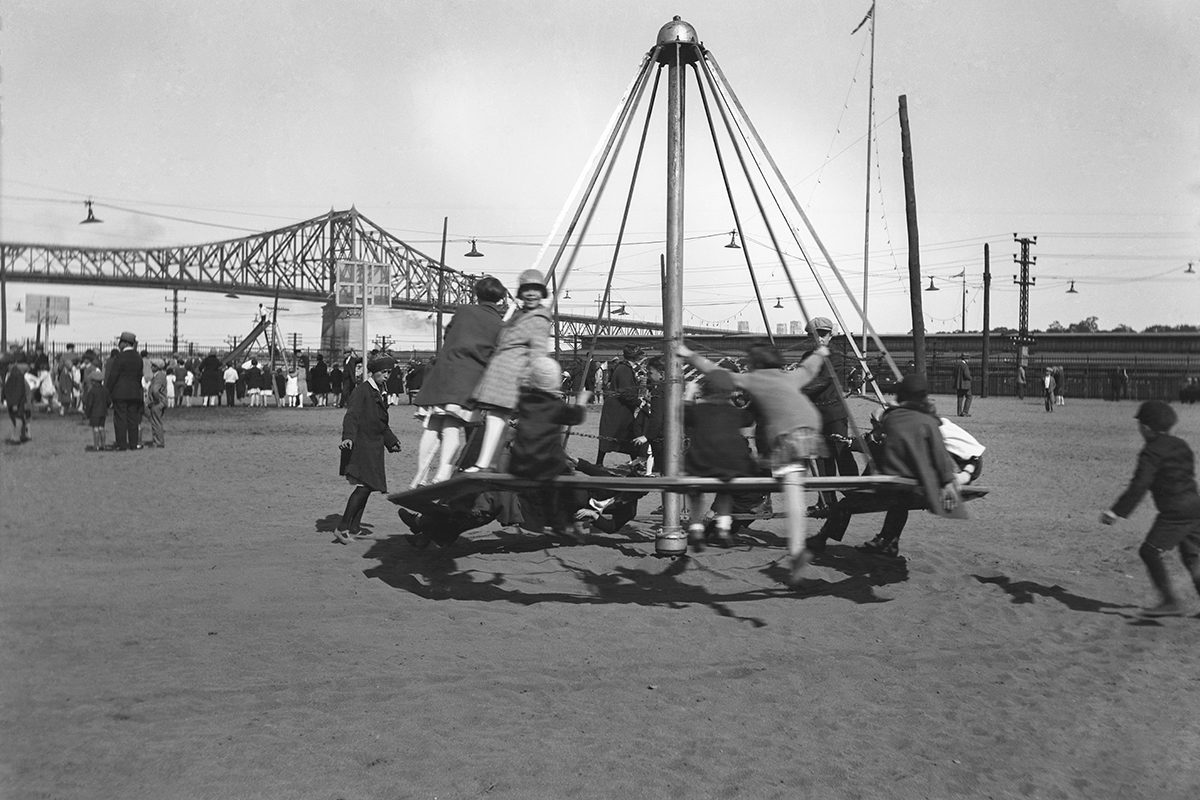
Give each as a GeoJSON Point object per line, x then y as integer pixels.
{"type": "Point", "coordinates": [1092, 325]}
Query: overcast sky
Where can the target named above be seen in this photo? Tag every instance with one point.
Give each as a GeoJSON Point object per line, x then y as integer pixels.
{"type": "Point", "coordinates": [1074, 121]}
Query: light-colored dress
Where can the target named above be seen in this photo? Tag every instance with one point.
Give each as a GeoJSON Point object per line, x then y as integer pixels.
{"type": "Point", "coordinates": [524, 337]}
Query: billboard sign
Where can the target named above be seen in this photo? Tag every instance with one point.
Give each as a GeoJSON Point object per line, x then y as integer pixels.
{"type": "Point", "coordinates": [47, 309]}
{"type": "Point", "coordinates": [349, 282]}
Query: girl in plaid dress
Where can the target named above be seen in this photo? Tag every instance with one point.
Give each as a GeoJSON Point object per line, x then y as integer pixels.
{"type": "Point", "coordinates": [524, 337]}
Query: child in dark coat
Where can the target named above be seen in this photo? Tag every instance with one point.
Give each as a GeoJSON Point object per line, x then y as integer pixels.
{"type": "Point", "coordinates": [365, 435]}
{"type": "Point", "coordinates": [95, 408]}
{"type": "Point", "coordinates": [18, 396]}
{"type": "Point", "coordinates": [716, 448]}
{"type": "Point", "coordinates": [537, 450]}
{"type": "Point", "coordinates": [1167, 469]}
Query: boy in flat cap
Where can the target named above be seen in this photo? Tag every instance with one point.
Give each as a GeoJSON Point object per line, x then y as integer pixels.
{"type": "Point", "coordinates": [1167, 469]}
{"type": "Point", "coordinates": [365, 435]}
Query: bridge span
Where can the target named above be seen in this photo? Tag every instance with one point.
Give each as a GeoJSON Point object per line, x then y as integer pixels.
{"type": "Point", "coordinates": [296, 262]}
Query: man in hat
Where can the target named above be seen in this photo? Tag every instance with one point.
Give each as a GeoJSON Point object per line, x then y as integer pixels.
{"type": "Point", "coordinates": [622, 398]}
{"type": "Point", "coordinates": [124, 386]}
{"type": "Point", "coordinates": [826, 395]}
{"type": "Point", "coordinates": [962, 385]}
{"type": "Point", "coordinates": [1167, 469]}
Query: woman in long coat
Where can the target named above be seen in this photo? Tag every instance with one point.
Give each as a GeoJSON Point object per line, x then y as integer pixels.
{"type": "Point", "coordinates": [445, 394]}
{"type": "Point", "coordinates": [524, 337]}
{"type": "Point", "coordinates": [212, 381]}
{"type": "Point", "coordinates": [621, 402]}
{"type": "Point", "coordinates": [365, 435]}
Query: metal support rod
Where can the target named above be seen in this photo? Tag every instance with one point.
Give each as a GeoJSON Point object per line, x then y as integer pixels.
{"type": "Point", "coordinates": [867, 204]}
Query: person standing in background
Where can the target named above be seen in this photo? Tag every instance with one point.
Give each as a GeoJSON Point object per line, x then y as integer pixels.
{"type": "Point", "coordinates": [123, 383]}
{"type": "Point", "coordinates": [962, 385]}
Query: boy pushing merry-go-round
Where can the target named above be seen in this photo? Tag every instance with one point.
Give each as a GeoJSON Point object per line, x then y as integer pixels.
{"type": "Point", "coordinates": [1167, 469]}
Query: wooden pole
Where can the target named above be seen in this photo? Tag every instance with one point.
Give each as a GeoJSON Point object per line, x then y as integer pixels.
{"type": "Point", "coordinates": [987, 320]}
{"type": "Point", "coordinates": [440, 287]}
{"type": "Point", "coordinates": [914, 247]}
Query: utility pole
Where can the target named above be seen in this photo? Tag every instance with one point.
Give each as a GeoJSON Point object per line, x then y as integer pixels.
{"type": "Point", "coordinates": [175, 312]}
{"type": "Point", "coordinates": [296, 339]}
{"type": "Point", "coordinates": [987, 319]}
{"type": "Point", "coordinates": [914, 246]}
{"type": "Point", "coordinates": [383, 341]}
{"type": "Point", "coordinates": [1024, 340]}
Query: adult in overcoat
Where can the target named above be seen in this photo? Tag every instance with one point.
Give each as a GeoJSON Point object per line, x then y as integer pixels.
{"type": "Point", "coordinates": [622, 398]}
{"type": "Point", "coordinates": [318, 380]}
{"type": "Point", "coordinates": [212, 379]}
{"type": "Point", "coordinates": [365, 436]}
{"type": "Point", "coordinates": [826, 395]}
{"type": "Point", "coordinates": [962, 385]}
{"type": "Point", "coordinates": [445, 394]}
{"type": "Point", "coordinates": [123, 381]}
{"type": "Point", "coordinates": [525, 336]}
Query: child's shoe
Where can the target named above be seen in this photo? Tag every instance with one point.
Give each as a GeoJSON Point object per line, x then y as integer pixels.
{"type": "Point", "coordinates": [696, 536]}
{"type": "Point", "coordinates": [881, 547]}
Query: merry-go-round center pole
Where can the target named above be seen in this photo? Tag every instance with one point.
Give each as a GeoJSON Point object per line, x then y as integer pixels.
{"type": "Point", "coordinates": [678, 47]}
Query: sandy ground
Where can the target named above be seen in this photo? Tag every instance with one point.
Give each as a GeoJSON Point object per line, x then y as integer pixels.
{"type": "Point", "coordinates": [177, 624]}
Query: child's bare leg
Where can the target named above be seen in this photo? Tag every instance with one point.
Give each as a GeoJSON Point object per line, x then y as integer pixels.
{"type": "Point", "coordinates": [696, 506]}
{"type": "Point", "coordinates": [1152, 557]}
{"type": "Point", "coordinates": [723, 508]}
{"type": "Point", "coordinates": [792, 477]}
{"type": "Point", "coordinates": [493, 432]}
{"type": "Point", "coordinates": [452, 437]}
{"type": "Point", "coordinates": [426, 449]}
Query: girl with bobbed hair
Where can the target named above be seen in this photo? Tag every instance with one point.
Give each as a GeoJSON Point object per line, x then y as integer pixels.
{"type": "Point", "coordinates": [524, 338]}
{"type": "Point", "coordinates": [444, 400]}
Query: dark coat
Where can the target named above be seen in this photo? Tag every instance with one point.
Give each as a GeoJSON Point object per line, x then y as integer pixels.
{"type": "Point", "coordinates": [470, 341]}
{"type": "Point", "coordinates": [716, 447]}
{"type": "Point", "coordinates": [124, 380]}
{"type": "Point", "coordinates": [913, 448]}
{"type": "Point", "coordinates": [621, 402]}
{"type": "Point", "coordinates": [1166, 469]}
{"type": "Point", "coordinates": [366, 424]}
{"type": "Point", "coordinates": [318, 378]}
{"type": "Point", "coordinates": [537, 450]}
{"type": "Point", "coordinates": [825, 394]}
{"type": "Point", "coordinates": [962, 375]}
{"type": "Point", "coordinates": [212, 379]}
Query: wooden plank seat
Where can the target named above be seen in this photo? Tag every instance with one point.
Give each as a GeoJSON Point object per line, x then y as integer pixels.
{"type": "Point", "coordinates": [859, 489]}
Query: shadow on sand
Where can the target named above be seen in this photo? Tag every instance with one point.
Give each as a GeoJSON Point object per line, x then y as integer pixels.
{"type": "Point", "coordinates": [1023, 592]}
{"type": "Point", "coordinates": [434, 573]}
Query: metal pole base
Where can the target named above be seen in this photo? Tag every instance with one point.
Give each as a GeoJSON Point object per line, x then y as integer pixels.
{"type": "Point", "coordinates": [671, 542]}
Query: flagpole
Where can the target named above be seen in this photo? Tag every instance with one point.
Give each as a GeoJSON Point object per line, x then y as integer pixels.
{"type": "Point", "coordinates": [867, 205]}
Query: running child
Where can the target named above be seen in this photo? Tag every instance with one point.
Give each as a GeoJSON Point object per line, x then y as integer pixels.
{"type": "Point", "coordinates": [1167, 469]}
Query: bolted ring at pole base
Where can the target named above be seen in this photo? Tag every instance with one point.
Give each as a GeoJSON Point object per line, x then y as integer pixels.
{"type": "Point", "coordinates": [671, 543]}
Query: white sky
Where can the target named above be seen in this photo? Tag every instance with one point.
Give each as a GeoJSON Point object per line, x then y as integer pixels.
{"type": "Point", "coordinates": [1074, 121]}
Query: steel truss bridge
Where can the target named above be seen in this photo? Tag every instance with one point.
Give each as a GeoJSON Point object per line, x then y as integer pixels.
{"type": "Point", "coordinates": [296, 262]}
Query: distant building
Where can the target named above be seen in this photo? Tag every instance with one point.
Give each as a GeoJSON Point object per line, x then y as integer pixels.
{"type": "Point", "coordinates": [796, 326]}
{"type": "Point", "coordinates": [781, 328]}
{"type": "Point", "coordinates": [743, 326]}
